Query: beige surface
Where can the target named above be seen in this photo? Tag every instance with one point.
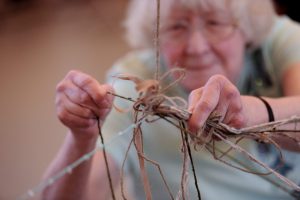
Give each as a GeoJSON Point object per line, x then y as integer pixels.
{"type": "Point", "coordinates": [37, 48]}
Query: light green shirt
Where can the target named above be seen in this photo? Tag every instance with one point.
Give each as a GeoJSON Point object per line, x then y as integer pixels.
{"type": "Point", "coordinates": [162, 140]}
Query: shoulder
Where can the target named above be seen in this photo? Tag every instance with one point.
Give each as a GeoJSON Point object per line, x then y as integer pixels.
{"type": "Point", "coordinates": [266, 66]}
{"type": "Point", "coordinates": [135, 63]}
{"type": "Point", "coordinates": [138, 63]}
{"type": "Point", "coordinates": [284, 30]}
{"type": "Point", "coordinates": [282, 46]}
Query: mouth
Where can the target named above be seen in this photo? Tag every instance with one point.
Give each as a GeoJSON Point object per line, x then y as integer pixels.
{"type": "Point", "coordinates": [199, 63]}
{"type": "Point", "coordinates": [198, 66]}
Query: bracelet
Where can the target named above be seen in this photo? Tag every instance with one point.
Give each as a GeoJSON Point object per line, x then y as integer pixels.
{"type": "Point", "coordinates": [269, 109]}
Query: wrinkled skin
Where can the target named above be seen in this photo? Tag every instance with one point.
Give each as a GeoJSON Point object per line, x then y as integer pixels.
{"type": "Point", "coordinates": [211, 68]}
{"type": "Point", "coordinates": [80, 99]}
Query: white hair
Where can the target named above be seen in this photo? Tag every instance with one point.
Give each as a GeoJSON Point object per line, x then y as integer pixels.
{"type": "Point", "coordinates": [253, 17]}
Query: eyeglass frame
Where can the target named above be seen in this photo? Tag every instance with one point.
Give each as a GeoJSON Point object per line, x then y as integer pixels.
{"type": "Point", "coordinates": [212, 38]}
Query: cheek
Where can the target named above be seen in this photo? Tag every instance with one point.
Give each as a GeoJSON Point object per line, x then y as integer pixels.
{"type": "Point", "coordinates": [232, 57]}
{"type": "Point", "coordinates": [172, 54]}
{"type": "Point", "coordinates": [231, 54]}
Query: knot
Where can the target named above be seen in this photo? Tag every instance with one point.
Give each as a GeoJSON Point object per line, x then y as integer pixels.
{"type": "Point", "coordinates": [153, 101]}
{"type": "Point", "coordinates": [206, 133]}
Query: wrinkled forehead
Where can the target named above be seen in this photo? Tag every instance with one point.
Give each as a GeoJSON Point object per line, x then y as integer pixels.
{"type": "Point", "coordinates": [202, 6]}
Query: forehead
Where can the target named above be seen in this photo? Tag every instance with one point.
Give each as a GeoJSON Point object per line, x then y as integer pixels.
{"type": "Point", "coordinates": [203, 6]}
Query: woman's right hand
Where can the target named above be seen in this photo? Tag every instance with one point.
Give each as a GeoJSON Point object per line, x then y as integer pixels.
{"type": "Point", "coordinates": [80, 100]}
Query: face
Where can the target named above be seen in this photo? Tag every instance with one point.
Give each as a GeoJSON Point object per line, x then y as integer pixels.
{"type": "Point", "coordinates": [203, 43]}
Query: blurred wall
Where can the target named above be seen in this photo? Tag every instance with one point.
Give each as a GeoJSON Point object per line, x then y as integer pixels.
{"type": "Point", "coordinates": [38, 46]}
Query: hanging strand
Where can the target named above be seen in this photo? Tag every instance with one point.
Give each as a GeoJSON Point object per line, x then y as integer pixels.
{"type": "Point", "coordinates": [138, 143]}
{"type": "Point", "coordinates": [283, 187]}
{"type": "Point", "coordinates": [106, 163]}
{"type": "Point", "coordinates": [182, 125]}
{"type": "Point", "coordinates": [157, 43]}
{"type": "Point", "coordinates": [210, 148]}
{"type": "Point", "coordinates": [155, 103]}
{"type": "Point", "coordinates": [184, 174]}
{"type": "Point", "coordinates": [269, 127]}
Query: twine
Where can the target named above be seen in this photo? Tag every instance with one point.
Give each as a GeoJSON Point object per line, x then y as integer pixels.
{"type": "Point", "coordinates": [152, 101]}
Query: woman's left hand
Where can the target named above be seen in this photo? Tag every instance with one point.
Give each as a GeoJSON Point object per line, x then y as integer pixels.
{"type": "Point", "coordinates": [218, 95]}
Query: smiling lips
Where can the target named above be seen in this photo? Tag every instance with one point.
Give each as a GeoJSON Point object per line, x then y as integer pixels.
{"type": "Point", "coordinates": [199, 63]}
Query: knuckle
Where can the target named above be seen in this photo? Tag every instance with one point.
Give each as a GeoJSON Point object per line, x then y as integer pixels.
{"type": "Point", "coordinates": [220, 81]}
{"type": "Point", "coordinates": [194, 96]}
{"type": "Point", "coordinates": [60, 87]}
{"type": "Point", "coordinates": [235, 104]}
{"type": "Point", "coordinates": [195, 93]}
{"type": "Point", "coordinates": [72, 73]}
{"type": "Point", "coordinates": [232, 93]}
{"type": "Point", "coordinates": [206, 106]}
{"type": "Point", "coordinates": [238, 107]}
{"type": "Point", "coordinates": [86, 81]}
{"type": "Point", "coordinates": [83, 97]}
{"type": "Point", "coordinates": [78, 77]}
{"type": "Point", "coordinates": [218, 78]}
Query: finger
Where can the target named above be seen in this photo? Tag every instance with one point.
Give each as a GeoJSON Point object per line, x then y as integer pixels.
{"type": "Point", "coordinates": [221, 110]}
{"type": "Point", "coordinates": [235, 116]}
{"type": "Point", "coordinates": [238, 121]}
{"type": "Point", "coordinates": [74, 108]}
{"type": "Point", "coordinates": [80, 97]}
{"type": "Point", "coordinates": [107, 101]}
{"type": "Point", "coordinates": [232, 96]}
{"type": "Point", "coordinates": [72, 121]}
{"type": "Point", "coordinates": [95, 91]}
{"type": "Point", "coordinates": [228, 97]}
{"type": "Point", "coordinates": [206, 104]}
{"type": "Point", "coordinates": [194, 98]}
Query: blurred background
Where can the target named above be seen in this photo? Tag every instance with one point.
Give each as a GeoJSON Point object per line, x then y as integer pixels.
{"type": "Point", "coordinates": [40, 41]}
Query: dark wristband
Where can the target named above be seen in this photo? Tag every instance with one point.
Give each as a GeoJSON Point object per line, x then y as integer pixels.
{"type": "Point", "coordinates": [269, 109]}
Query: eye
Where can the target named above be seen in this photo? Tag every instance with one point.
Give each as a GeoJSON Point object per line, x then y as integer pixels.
{"type": "Point", "coordinates": [216, 23]}
{"type": "Point", "coordinates": [177, 26]}
{"type": "Point", "coordinates": [217, 26]}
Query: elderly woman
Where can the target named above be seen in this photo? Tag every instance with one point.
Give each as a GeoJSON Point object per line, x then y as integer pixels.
{"type": "Point", "coordinates": [232, 51]}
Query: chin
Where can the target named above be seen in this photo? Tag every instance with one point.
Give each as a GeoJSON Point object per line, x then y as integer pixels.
{"type": "Point", "coordinates": [190, 85]}
{"type": "Point", "coordinates": [195, 80]}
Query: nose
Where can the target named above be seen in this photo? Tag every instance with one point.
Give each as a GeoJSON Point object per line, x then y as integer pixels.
{"type": "Point", "coordinates": [197, 43]}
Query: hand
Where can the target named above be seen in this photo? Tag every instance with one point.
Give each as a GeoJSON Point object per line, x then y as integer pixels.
{"type": "Point", "coordinates": [80, 99]}
{"type": "Point", "coordinates": [218, 95]}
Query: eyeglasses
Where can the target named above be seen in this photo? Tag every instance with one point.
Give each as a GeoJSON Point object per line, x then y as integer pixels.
{"type": "Point", "coordinates": [214, 31]}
